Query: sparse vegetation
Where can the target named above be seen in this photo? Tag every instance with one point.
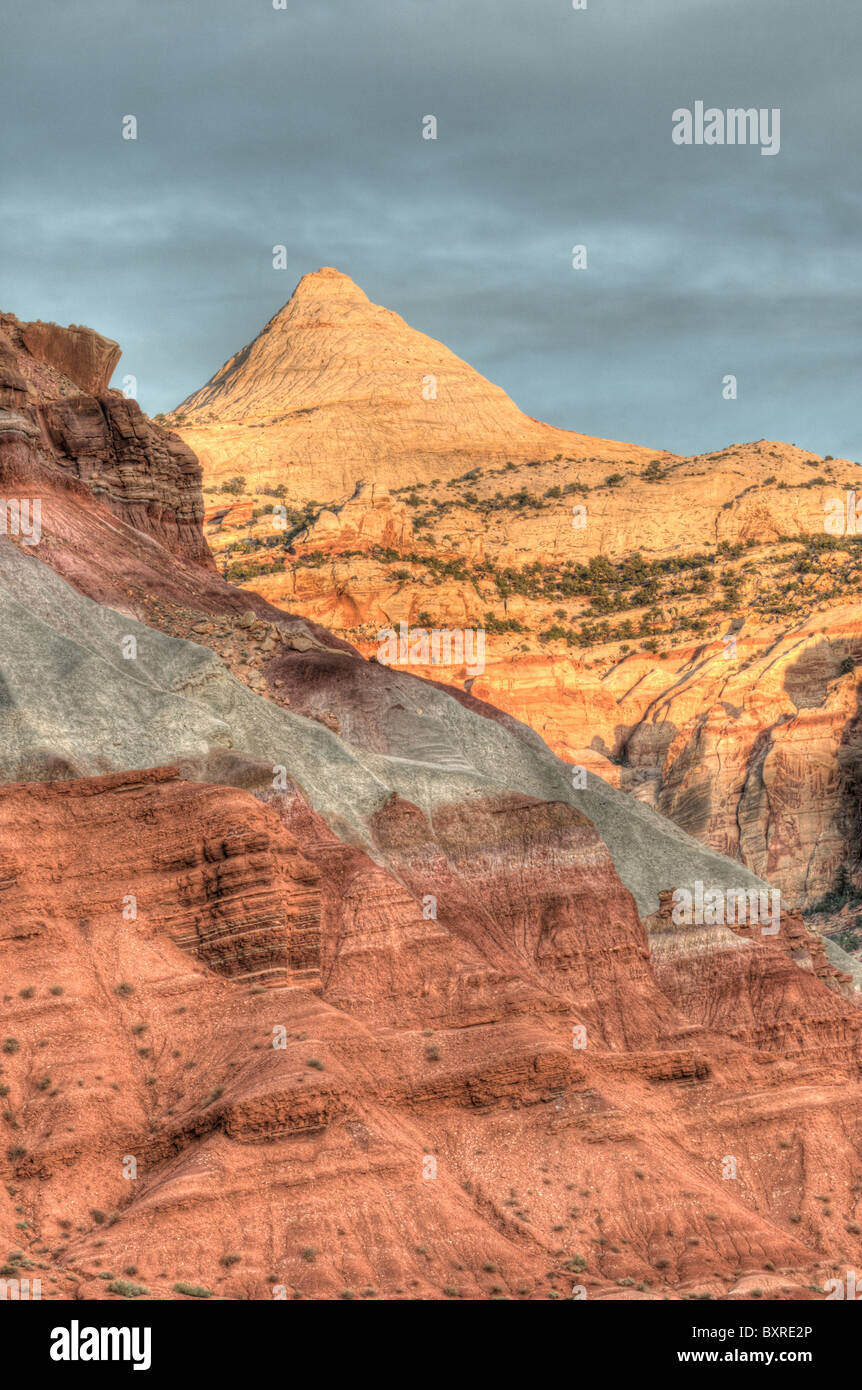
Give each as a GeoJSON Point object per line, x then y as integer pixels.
{"type": "Point", "coordinates": [125, 1289]}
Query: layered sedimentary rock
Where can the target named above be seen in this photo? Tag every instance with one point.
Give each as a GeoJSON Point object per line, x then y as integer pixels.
{"type": "Point", "coordinates": [88, 690]}
{"type": "Point", "coordinates": [86, 358]}
{"type": "Point", "coordinates": [171, 1124]}
{"type": "Point", "coordinates": [524, 542]}
{"type": "Point", "coordinates": [757, 751]}
{"type": "Point", "coordinates": [338, 390]}
{"type": "Point", "coordinates": [206, 867]}
{"type": "Point", "coordinates": [757, 981]}
{"type": "Point", "coordinates": [750, 745]}
{"type": "Point", "coordinates": [325, 980]}
{"type": "Point", "coordinates": [61, 427]}
{"type": "Point", "coordinates": [712, 672]}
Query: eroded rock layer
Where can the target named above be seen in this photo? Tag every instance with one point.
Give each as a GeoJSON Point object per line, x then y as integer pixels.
{"type": "Point", "coordinates": [60, 425]}
{"type": "Point", "coordinates": [338, 389]}
{"type": "Point", "coordinates": [324, 980]}
{"type": "Point", "coordinates": [608, 580]}
{"type": "Point", "coordinates": [494, 1100]}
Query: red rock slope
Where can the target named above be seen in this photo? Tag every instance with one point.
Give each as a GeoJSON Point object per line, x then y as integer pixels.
{"type": "Point", "coordinates": [492, 1082]}
{"type": "Point", "coordinates": [237, 1057]}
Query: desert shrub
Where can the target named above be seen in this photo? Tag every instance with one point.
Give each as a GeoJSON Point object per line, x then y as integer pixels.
{"type": "Point", "coordinates": [127, 1290]}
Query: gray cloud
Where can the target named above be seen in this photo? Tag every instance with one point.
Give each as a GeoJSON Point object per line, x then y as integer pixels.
{"type": "Point", "coordinates": [302, 127]}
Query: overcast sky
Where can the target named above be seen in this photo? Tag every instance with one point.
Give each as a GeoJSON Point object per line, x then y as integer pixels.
{"type": "Point", "coordinates": [303, 127]}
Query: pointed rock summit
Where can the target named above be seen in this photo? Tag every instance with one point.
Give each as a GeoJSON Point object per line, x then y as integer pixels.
{"type": "Point", "coordinates": [336, 389]}
{"type": "Point", "coordinates": [330, 346]}
{"type": "Point", "coordinates": [328, 283]}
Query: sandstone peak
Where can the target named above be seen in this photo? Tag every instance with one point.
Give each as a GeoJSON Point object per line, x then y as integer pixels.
{"type": "Point", "coordinates": [330, 345]}
{"type": "Point", "coordinates": [338, 388]}
{"type": "Point", "coordinates": [319, 894]}
{"type": "Point", "coordinates": [329, 283]}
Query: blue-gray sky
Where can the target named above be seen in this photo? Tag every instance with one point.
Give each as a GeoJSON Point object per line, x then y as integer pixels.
{"type": "Point", "coordinates": [303, 127]}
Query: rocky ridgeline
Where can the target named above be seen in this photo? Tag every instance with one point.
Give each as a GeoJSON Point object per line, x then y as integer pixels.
{"type": "Point", "coordinates": [324, 979]}
{"type": "Point", "coordinates": [59, 421]}
{"type": "Point", "coordinates": [335, 390]}
{"type": "Point", "coordinates": [685, 627]}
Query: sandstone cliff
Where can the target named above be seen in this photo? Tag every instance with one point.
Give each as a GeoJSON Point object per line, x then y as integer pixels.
{"type": "Point", "coordinates": [324, 980]}
{"type": "Point", "coordinates": [60, 425]}
{"type": "Point", "coordinates": [685, 627]}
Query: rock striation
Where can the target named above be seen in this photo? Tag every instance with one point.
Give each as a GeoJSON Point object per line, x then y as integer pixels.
{"type": "Point", "coordinates": [212, 1111]}
{"type": "Point", "coordinates": [609, 600]}
{"type": "Point", "coordinates": [61, 426]}
{"type": "Point", "coordinates": [336, 390]}
{"type": "Point", "coordinates": [325, 980]}
{"type": "Point", "coordinates": [86, 358]}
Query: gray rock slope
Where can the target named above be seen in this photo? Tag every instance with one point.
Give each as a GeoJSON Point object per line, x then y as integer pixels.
{"type": "Point", "coordinates": [73, 704]}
